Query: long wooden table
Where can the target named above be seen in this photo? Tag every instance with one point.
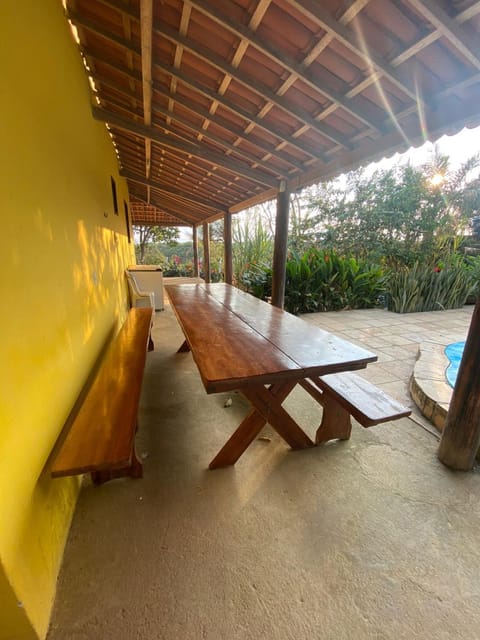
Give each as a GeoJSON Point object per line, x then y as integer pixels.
{"type": "Point", "coordinates": [242, 343]}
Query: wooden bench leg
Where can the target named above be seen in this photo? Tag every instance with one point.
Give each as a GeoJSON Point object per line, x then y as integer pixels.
{"type": "Point", "coordinates": [134, 470]}
{"type": "Point", "coordinates": [336, 422]}
{"type": "Point", "coordinates": [184, 347]}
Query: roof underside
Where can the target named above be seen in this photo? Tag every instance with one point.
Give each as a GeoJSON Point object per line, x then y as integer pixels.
{"type": "Point", "coordinates": [211, 104]}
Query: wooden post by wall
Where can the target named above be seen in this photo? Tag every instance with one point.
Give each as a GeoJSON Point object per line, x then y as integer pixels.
{"type": "Point", "coordinates": [206, 252]}
{"type": "Point", "coordinates": [280, 246]}
{"type": "Point", "coordinates": [195, 251]}
{"type": "Point", "coordinates": [461, 434]}
{"type": "Point", "coordinates": [227, 244]}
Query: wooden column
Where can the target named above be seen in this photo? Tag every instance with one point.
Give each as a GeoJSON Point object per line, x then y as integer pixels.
{"type": "Point", "coordinates": [195, 251]}
{"type": "Point", "coordinates": [206, 252]}
{"type": "Point", "coordinates": [280, 246]}
{"type": "Point", "coordinates": [461, 434]}
{"type": "Point", "coordinates": [227, 244]}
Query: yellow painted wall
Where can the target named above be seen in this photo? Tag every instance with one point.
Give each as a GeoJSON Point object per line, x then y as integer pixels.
{"type": "Point", "coordinates": [62, 290]}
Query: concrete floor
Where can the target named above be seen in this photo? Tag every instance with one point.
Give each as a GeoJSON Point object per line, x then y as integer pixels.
{"type": "Point", "coordinates": [367, 539]}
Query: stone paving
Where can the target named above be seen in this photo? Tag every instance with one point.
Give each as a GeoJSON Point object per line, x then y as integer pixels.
{"type": "Point", "coordinates": [410, 347]}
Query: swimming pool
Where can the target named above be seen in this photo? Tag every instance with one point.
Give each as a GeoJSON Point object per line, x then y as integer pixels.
{"type": "Point", "coordinates": [454, 353]}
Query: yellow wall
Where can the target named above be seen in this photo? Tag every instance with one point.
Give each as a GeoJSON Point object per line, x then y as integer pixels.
{"type": "Point", "coordinates": [62, 290]}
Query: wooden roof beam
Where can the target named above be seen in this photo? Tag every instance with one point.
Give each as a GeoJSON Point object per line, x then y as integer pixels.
{"type": "Point", "coordinates": [314, 11]}
{"type": "Point", "coordinates": [263, 91]}
{"type": "Point", "coordinates": [414, 48]}
{"type": "Point", "coordinates": [185, 19]}
{"type": "Point", "coordinates": [236, 109]}
{"type": "Point", "coordinates": [248, 157]}
{"type": "Point", "coordinates": [208, 93]}
{"type": "Point", "coordinates": [355, 7]}
{"type": "Point", "coordinates": [209, 204]}
{"type": "Point", "coordinates": [182, 220]}
{"type": "Point", "coordinates": [240, 50]}
{"type": "Point", "coordinates": [146, 34]}
{"type": "Point", "coordinates": [449, 30]}
{"type": "Point", "coordinates": [242, 136]}
{"type": "Point", "coordinates": [296, 70]}
{"type": "Point", "coordinates": [134, 151]}
{"type": "Point", "coordinates": [217, 120]}
{"type": "Point", "coordinates": [214, 158]}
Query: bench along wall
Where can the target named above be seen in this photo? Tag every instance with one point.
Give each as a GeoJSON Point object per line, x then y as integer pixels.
{"type": "Point", "coordinates": [63, 292]}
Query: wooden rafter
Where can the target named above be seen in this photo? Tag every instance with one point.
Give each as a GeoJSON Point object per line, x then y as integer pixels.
{"type": "Point", "coordinates": [262, 90]}
{"type": "Point", "coordinates": [296, 70]}
{"type": "Point", "coordinates": [183, 146]}
{"type": "Point", "coordinates": [169, 126]}
{"type": "Point", "coordinates": [194, 200]}
{"type": "Point", "coordinates": [146, 22]}
{"type": "Point", "coordinates": [255, 120]}
{"type": "Point", "coordinates": [159, 209]}
{"type": "Point", "coordinates": [450, 30]}
{"type": "Point", "coordinates": [209, 93]}
{"type": "Point", "coordinates": [219, 101]}
{"type": "Point", "coordinates": [255, 20]}
{"type": "Point", "coordinates": [351, 40]}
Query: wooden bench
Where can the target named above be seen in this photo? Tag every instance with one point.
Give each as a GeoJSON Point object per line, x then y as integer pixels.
{"type": "Point", "coordinates": [343, 395]}
{"type": "Point", "coordinates": [101, 434]}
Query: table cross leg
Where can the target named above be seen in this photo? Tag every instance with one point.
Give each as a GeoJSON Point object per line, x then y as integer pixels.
{"type": "Point", "coordinates": [243, 437]}
{"type": "Point", "coordinates": [270, 407]}
{"type": "Point", "coordinates": [251, 426]}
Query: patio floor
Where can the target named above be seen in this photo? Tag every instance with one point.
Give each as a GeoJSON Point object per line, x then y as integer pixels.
{"type": "Point", "coordinates": [372, 538]}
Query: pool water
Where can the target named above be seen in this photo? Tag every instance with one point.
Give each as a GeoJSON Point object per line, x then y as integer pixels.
{"type": "Point", "coordinates": [454, 353]}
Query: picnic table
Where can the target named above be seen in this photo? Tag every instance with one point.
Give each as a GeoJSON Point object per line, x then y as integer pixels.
{"type": "Point", "coordinates": [241, 343]}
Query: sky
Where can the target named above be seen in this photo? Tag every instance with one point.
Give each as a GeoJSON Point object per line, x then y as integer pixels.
{"type": "Point", "coordinates": [458, 148]}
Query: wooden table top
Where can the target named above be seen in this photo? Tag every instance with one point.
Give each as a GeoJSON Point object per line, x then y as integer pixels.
{"type": "Point", "coordinates": [237, 339]}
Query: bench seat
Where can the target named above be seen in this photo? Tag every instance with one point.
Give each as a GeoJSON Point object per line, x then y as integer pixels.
{"type": "Point", "coordinates": [101, 434]}
{"type": "Point", "coordinates": [343, 395]}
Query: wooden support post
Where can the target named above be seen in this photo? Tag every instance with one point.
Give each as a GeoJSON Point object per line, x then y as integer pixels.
{"type": "Point", "coordinates": [280, 246]}
{"type": "Point", "coordinates": [461, 434]}
{"type": "Point", "coordinates": [206, 252]}
{"type": "Point", "coordinates": [195, 251]}
{"type": "Point", "coordinates": [227, 243]}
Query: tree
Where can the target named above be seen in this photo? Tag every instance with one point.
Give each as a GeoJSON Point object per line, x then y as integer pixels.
{"type": "Point", "coordinates": [398, 215]}
{"type": "Point", "coordinates": [216, 231]}
{"type": "Point", "coordinates": [149, 235]}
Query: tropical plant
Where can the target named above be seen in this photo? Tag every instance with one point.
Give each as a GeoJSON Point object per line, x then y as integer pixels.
{"type": "Point", "coordinates": [472, 265]}
{"type": "Point", "coordinates": [424, 287]}
{"type": "Point", "coordinates": [324, 281]}
{"type": "Point", "coordinates": [257, 280]}
{"type": "Point", "coordinates": [252, 247]}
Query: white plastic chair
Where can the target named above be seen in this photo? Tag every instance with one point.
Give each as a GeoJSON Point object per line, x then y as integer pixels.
{"type": "Point", "coordinates": [139, 298]}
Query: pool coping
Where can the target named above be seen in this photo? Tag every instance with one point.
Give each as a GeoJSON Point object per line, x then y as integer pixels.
{"type": "Point", "coordinates": [428, 384]}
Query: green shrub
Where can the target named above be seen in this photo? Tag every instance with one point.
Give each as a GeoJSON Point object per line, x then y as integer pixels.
{"type": "Point", "coordinates": [257, 280]}
{"type": "Point", "coordinates": [472, 264]}
{"type": "Point", "coordinates": [431, 288]}
{"type": "Point", "coordinates": [252, 249]}
{"type": "Point", "coordinates": [324, 281]}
